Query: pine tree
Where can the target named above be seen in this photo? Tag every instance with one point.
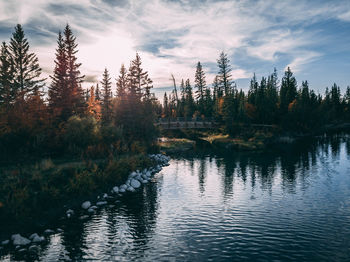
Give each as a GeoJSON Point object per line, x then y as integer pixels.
{"type": "Point", "coordinates": [66, 96]}
{"type": "Point", "coordinates": [74, 78]}
{"type": "Point", "coordinates": [59, 95]}
{"type": "Point", "coordinates": [165, 106]}
{"type": "Point", "coordinates": [97, 93]}
{"type": "Point", "coordinates": [224, 75]}
{"type": "Point", "coordinates": [135, 78]}
{"type": "Point", "coordinates": [122, 83]}
{"type": "Point", "coordinates": [106, 97]}
{"type": "Point", "coordinates": [189, 101]}
{"type": "Point", "coordinates": [26, 66]}
{"type": "Point", "coordinates": [200, 85]}
{"type": "Point", "coordinates": [288, 90]}
{"type": "Point", "coordinates": [6, 78]}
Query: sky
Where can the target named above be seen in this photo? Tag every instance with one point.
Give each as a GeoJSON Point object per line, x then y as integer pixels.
{"type": "Point", "coordinates": [171, 36]}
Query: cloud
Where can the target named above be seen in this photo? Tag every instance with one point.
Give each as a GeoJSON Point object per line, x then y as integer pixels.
{"type": "Point", "coordinates": [172, 36]}
{"type": "Point", "coordinates": [301, 59]}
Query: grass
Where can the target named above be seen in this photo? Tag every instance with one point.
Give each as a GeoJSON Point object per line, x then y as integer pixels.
{"type": "Point", "coordinates": [26, 191]}
{"type": "Point", "coordinates": [256, 142]}
{"type": "Point", "coordinates": [172, 145]}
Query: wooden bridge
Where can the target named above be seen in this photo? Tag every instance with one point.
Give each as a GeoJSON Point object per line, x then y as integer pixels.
{"type": "Point", "coordinates": [186, 123]}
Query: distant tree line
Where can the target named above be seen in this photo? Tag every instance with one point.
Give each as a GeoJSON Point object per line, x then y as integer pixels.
{"type": "Point", "coordinates": [63, 118]}
{"type": "Point", "coordinates": [268, 101]}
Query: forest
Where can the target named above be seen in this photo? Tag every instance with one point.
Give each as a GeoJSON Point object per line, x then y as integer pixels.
{"type": "Point", "coordinates": [64, 119]}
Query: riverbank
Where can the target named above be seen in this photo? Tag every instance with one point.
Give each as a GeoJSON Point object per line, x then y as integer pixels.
{"type": "Point", "coordinates": [29, 193]}
{"type": "Point", "coordinates": [116, 177]}
{"type": "Point", "coordinates": [247, 138]}
{"type": "Point", "coordinates": [185, 140]}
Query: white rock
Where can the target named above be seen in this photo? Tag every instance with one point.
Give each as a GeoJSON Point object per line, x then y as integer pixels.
{"type": "Point", "coordinates": [101, 203]}
{"type": "Point", "coordinates": [122, 190]}
{"type": "Point", "coordinates": [91, 210]}
{"type": "Point", "coordinates": [38, 239]}
{"type": "Point", "coordinates": [70, 213]}
{"type": "Point", "coordinates": [105, 195]}
{"type": "Point", "coordinates": [131, 189]}
{"type": "Point", "coordinates": [5, 242]}
{"type": "Point", "coordinates": [116, 189]}
{"type": "Point", "coordinates": [144, 181]}
{"type": "Point", "coordinates": [59, 230]}
{"type": "Point", "coordinates": [135, 183]}
{"type": "Point", "coordinates": [18, 240]}
{"type": "Point", "coordinates": [123, 186]}
{"type": "Point", "coordinates": [86, 205]}
{"type": "Point", "coordinates": [49, 232]}
{"type": "Point", "coordinates": [33, 249]}
{"type": "Point", "coordinates": [32, 236]}
{"type": "Point", "coordinates": [84, 217]}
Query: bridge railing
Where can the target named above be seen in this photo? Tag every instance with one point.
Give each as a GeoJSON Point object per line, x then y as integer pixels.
{"type": "Point", "coordinates": [186, 119]}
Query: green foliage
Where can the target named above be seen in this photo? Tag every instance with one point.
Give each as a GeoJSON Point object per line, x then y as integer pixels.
{"type": "Point", "coordinates": [80, 133]}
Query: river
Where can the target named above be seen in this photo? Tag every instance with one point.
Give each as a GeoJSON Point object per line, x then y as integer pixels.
{"type": "Point", "coordinates": [286, 205]}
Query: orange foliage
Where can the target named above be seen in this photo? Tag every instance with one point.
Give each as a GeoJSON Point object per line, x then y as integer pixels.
{"type": "Point", "coordinates": [292, 105]}
{"type": "Point", "coordinates": [250, 110]}
{"type": "Point", "coordinates": [94, 107]}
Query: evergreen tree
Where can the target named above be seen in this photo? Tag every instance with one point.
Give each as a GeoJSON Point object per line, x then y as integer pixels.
{"type": "Point", "coordinates": [217, 92]}
{"type": "Point", "coordinates": [200, 85]}
{"type": "Point", "coordinates": [122, 83]}
{"type": "Point", "coordinates": [224, 75]}
{"type": "Point", "coordinates": [165, 106]}
{"type": "Point", "coordinates": [97, 93]}
{"type": "Point", "coordinates": [74, 77]}
{"type": "Point", "coordinates": [288, 90]}
{"type": "Point", "coordinates": [59, 95]}
{"type": "Point", "coordinates": [6, 78]}
{"type": "Point", "coordinates": [26, 66]}
{"type": "Point", "coordinates": [66, 96]}
{"type": "Point", "coordinates": [189, 101]}
{"type": "Point", "coordinates": [106, 97]}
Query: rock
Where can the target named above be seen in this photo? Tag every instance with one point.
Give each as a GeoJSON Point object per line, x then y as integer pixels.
{"type": "Point", "coordinates": [133, 174]}
{"type": "Point", "coordinates": [91, 211]}
{"type": "Point", "coordinates": [38, 239]}
{"type": "Point", "coordinates": [49, 232]}
{"type": "Point", "coordinates": [131, 189]}
{"type": "Point", "coordinates": [101, 203]}
{"type": "Point", "coordinates": [122, 190]}
{"type": "Point", "coordinates": [18, 240]}
{"type": "Point", "coordinates": [105, 195]}
{"type": "Point", "coordinates": [135, 183]}
{"type": "Point", "coordinates": [32, 236]}
{"type": "Point", "coordinates": [59, 230]}
{"type": "Point", "coordinates": [116, 189]}
{"type": "Point", "coordinates": [123, 186]}
{"type": "Point", "coordinates": [69, 213]}
{"type": "Point", "coordinates": [5, 242]}
{"type": "Point", "coordinates": [86, 205]}
{"type": "Point", "coordinates": [33, 249]}
{"type": "Point", "coordinates": [144, 181]}
{"type": "Point", "coordinates": [84, 217]}
{"type": "Point", "coordinates": [111, 206]}
{"type": "Point", "coordinates": [23, 250]}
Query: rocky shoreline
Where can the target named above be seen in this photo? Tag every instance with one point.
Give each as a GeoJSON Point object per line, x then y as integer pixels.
{"type": "Point", "coordinates": [30, 244]}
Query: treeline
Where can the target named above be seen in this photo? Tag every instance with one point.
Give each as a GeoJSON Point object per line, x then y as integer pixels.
{"type": "Point", "coordinates": [269, 101]}
{"type": "Point", "coordinates": [62, 118]}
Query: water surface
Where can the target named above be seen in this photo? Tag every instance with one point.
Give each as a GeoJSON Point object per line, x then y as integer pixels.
{"type": "Point", "coordinates": [290, 205]}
